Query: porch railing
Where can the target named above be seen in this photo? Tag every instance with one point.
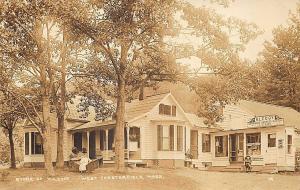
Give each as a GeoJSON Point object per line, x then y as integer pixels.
{"type": "Point", "coordinates": [110, 154]}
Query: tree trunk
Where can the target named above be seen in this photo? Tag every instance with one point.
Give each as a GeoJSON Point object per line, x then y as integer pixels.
{"type": "Point", "coordinates": [120, 121]}
{"type": "Point", "coordinates": [60, 142]}
{"type": "Point", "coordinates": [47, 136]}
{"type": "Point", "coordinates": [61, 109]}
{"type": "Point", "coordinates": [141, 94]}
{"type": "Point", "coordinates": [45, 91]}
{"type": "Point", "coordinates": [12, 149]}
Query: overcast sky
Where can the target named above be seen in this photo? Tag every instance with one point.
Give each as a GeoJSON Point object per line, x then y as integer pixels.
{"type": "Point", "coordinates": [267, 14]}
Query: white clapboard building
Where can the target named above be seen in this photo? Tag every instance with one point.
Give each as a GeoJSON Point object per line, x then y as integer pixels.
{"type": "Point", "coordinates": [158, 132]}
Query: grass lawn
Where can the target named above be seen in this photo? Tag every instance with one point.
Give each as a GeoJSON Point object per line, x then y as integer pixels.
{"type": "Point", "coordinates": [147, 178]}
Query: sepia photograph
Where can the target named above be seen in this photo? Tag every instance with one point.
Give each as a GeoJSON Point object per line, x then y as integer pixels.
{"type": "Point", "coordinates": [150, 94]}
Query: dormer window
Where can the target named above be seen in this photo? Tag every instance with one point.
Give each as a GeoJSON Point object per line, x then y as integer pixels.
{"type": "Point", "coordinates": [167, 110]}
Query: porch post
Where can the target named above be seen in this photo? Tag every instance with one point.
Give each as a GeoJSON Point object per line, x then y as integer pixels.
{"type": "Point", "coordinates": [245, 146]}
{"type": "Point", "coordinates": [72, 139]}
{"type": "Point", "coordinates": [106, 144]}
{"type": "Point", "coordinates": [128, 128]}
{"type": "Point", "coordinates": [106, 139]}
{"type": "Point", "coordinates": [97, 139]}
{"type": "Point", "coordinates": [88, 143]}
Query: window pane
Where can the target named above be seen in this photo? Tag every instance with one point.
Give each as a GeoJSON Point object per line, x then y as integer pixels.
{"type": "Point", "coordinates": [165, 131]}
{"type": "Point", "coordinates": [167, 110]}
{"type": "Point", "coordinates": [221, 146]}
{"type": "Point", "coordinates": [272, 140]}
{"type": "Point", "coordinates": [290, 142]}
{"type": "Point", "coordinates": [166, 143]}
{"type": "Point", "coordinates": [38, 144]}
{"type": "Point", "coordinates": [253, 145]}
{"type": "Point", "coordinates": [289, 139]}
{"type": "Point", "coordinates": [205, 143]}
{"type": "Point", "coordinates": [134, 135]}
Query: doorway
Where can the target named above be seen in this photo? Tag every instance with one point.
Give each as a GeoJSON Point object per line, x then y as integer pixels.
{"type": "Point", "coordinates": [92, 145]}
{"type": "Point", "coordinates": [236, 147]}
{"type": "Point", "coordinates": [77, 140]}
{"type": "Point", "coordinates": [194, 144]}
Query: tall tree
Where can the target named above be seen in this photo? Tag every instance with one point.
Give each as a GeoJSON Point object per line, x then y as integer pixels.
{"type": "Point", "coordinates": [219, 43]}
{"type": "Point", "coordinates": [127, 47]}
{"type": "Point", "coordinates": [10, 114]}
{"type": "Point", "coordinates": [279, 67]}
{"type": "Point", "coordinates": [27, 27]}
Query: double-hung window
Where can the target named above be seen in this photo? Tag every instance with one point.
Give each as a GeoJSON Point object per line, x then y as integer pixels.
{"type": "Point", "coordinates": [165, 138]}
{"type": "Point", "coordinates": [221, 148]}
{"type": "Point", "coordinates": [205, 143]}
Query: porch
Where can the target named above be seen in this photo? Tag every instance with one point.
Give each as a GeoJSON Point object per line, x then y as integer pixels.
{"type": "Point", "coordinates": [98, 138]}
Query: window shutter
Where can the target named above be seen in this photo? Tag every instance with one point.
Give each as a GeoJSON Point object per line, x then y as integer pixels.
{"type": "Point", "coordinates": [159, 137]}
{"type": "Point", "coordinates": [173, 110]}
{"type": "Point", "coordinates": [179, 138]}
{"type": "Point", "coordinates": [161, 109]}
{"type": "Point", "coordinates": [171, 137]}
{"type": "Point", "coordinates": [26, 143]}
{"type": "Point", "coordinates": [32, 143]}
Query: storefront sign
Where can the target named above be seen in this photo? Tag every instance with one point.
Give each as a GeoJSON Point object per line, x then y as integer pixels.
{"type": "Point", "coordinates": [257, 159]}
{"type": "Point", "coordinates": [264, 121]}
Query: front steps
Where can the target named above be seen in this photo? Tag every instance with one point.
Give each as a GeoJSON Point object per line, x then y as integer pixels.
{"type": "Point", "coordinates": [234, 168]}
{"type": "Point", "coordinates": [268, 169]}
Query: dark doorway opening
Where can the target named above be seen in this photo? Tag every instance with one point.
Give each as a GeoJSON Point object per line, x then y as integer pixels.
{"type": "Point", "coordinates": [92, 145]}
{"type": "Point", "coordinates": [78, 140]}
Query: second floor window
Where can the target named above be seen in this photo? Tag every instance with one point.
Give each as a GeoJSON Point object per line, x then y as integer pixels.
{"type": "Point", "coordinates": [167, 110]}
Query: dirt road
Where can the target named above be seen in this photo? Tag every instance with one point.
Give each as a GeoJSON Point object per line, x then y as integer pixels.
{"type": "Point", "coordinates": [145, 178]}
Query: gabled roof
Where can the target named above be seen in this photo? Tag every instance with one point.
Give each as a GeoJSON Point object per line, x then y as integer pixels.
{"type": "Point", "coordinates": [291, 117]}
{"type": "Point", "coordinates": [134, 109]}
{"type": "Point", "coordinates": [138, 107]}
{"type": "Point", "coordinates": [195, 120]}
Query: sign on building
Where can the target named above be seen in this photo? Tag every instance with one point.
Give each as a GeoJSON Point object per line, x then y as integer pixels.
{"type": "Point", "coordinates": [265, 121]}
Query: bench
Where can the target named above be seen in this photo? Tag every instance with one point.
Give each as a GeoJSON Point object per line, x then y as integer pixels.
{"type": "Point", "coordinates": [73, 165]}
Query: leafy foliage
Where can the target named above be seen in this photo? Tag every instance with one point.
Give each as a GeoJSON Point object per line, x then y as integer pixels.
{"type": "Point", "coordinates": [278, 70]}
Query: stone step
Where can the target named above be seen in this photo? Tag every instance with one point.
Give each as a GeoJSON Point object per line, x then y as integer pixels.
{"type": "Point", "coordinates": [215, 168]}
{"type": "Point", "coordinates": [233, 169]}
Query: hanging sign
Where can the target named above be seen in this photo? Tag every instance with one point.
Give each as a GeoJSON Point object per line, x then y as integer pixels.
{"type": "Point", "coordinates": [265, 121]}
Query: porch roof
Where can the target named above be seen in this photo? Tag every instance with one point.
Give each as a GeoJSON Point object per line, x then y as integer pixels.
{"type": "Point", "coordinates": [94, 124]}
